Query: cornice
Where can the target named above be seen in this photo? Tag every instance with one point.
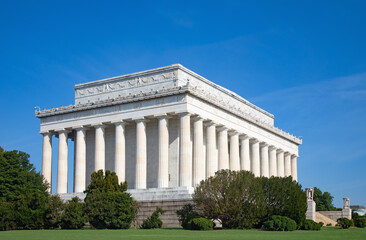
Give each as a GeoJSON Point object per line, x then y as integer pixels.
{"type": "Point", "coordinates": [162, 93]}
{"type": "Point", "coordinates": [171, 68]}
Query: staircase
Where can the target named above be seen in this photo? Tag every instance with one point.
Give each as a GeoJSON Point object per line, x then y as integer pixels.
{"type": "Point", "coordinates": [169, 218]}
{"type": "Point", "coordinates": [321, 218]}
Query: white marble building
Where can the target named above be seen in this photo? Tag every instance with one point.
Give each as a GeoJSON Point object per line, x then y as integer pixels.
{"type": "Point", "coordinates": [165, 128]}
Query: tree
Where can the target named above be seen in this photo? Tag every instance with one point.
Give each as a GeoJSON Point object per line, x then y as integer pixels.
{"type": "Point", "coordinates": [108, 205]}
{"type": "Point", "coordinates": [53, 213]}
{"type": "Point", "coordinates": [22, 190]}
{"type": "Point", "coordinates": [30, 209]}
{"type": "Point", "coordinates": [324, 201]}
{"type": "Point", "coordinates": [233, 197]}
{"type": "Point", "coordinates": [284, 197]}
{"type": "Point", "coordinates": [73, 215]}
{"type": "Point", "coordinates": [18, 176]}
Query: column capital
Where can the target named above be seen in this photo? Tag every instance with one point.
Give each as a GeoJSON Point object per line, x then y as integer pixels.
{"type": "Point", "coordinates": [98, 125]}
{"type": "Point", "coordinates": [233, 133]}
{"type": "Point", "coordinates": [294, 156]}
{"type": "Point", "coordinates": [119, 122]}
{"type": "Point", "coordinates": [62, 130]}
{"type": "Point", "coordinates": [287, 154]}
{"type": "Point", "coordinates": [81, 127]}
{"type": "Point", "coordinates": [271, 147]}
{"type": "Point", "coordinates": [244, 137]}
{"type": "Point", "coordinates": [197, 118]}
{"type": "Point", "coordinates": [222, 128]}
{"type": "Point", "coordinates": [162, 116]}
{"type": "Point", "coordinates": [140, 119]}
{"type": "Point", "coordinates": [44, 133]}
{"type": "Point", "coordinates": [264, 144]}
{"type": "Point", "coordinates": [182, 114]}
{"type": "Point", "coordinates": [209, 123]}
{"type": "Point", "coordinates": [279, 150]}
{"type": "Point", "coordinates": [254, 140]}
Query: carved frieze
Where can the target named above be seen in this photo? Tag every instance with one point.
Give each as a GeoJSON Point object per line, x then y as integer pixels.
{"type": "Point", "coordinates": [125, 84]}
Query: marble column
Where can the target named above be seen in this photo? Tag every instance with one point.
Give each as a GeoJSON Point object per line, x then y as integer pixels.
{"type": "Point", "coordinates": [272, 161]}
{"type": "Point", "coordinates": [198, 160]}
{"type": "Point", "coordinates": [120, 151]}
{"type": "Point", "coordinates": [47, 158]}
{"type": "Point", "coordinates": [264, 160]}
{"type": "Point", "coordinates": [223, 149]}
{"type": "Point", "coordinates": [99, 147]}
{"type": "Point", "coordinates": [294, 167]}
{"type": "Point", "coordinates": [62, 162]}
{"type": "Point", "coordinates": [80, 160]}
{"type": "Point", "coordinates": [255, 160]}
{"type": "Point", "coordinates": [234, 151]}
{"type": "Point", "coordinates": [163, 169]}
{"type": "Point", "coordinates": [185, 152]}
{"type": "Point", "coordinates": [141, 154]}
{"type": "Point", "coordinates": [244, 153]}
{"type": "Point", "coordinates": [212, 164]}
{"type": "Point", "coordinates": [287, 164]}
{"type": "Point", "coordinates": [280, 163]}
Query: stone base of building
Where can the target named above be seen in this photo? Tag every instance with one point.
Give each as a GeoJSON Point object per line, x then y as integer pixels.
{"type": "Point", "coordinates": [169, 199]}
{"type": "Point", "coordinates": [169, 218]}
{"type": "Point", "coordinates": [150, 194]}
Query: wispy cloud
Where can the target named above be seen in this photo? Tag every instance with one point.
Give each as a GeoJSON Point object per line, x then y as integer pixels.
{"type": "Point", "coordinates": [351, 87]}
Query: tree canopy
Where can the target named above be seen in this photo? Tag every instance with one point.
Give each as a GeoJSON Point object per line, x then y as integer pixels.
{"type": "Point", "coordinates": [324, 201]}
{"type": "Point", "coordinates": [240, 200]}
{"type": "Point", "coordinates": [18, 176]}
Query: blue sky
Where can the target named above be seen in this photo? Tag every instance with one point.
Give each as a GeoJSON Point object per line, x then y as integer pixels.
{"type": "Point", "coordinates": [303, 61]}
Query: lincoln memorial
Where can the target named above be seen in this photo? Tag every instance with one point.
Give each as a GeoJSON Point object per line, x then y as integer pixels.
{"type": "Point", "coordinates": [165, 128]}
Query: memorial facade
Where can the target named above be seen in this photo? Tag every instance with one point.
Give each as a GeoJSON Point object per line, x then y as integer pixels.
{"type": "Point", "coordinates": [165, 128]}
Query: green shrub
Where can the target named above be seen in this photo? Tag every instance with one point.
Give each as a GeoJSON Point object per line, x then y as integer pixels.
{"type": "Point", "coordinates": [359, 221]}
{"type": "Point", "coordinates": [30, 209]}
{"type": "Point", "coordinates": [107, 204]}
{"type": "Point", "coordinates": [200, 223]}
{"type": "Point", "coordinates": [279, 223]}
{"type": "Point", "coordinates": [186, 214]}
{"type": "Point", "coordinates": [53, 213]}
{"type": "Point", "coordinates": [233, 197]}
{"type": "Point", "coordinates": [23, 192]}
{"type": "Point", "coordinates": [344, 222]}
{"type": "Point", "coordinates": [329, 225]}
{"type": "Point", "coordinates": [7, 216]}
{"type": "Point", "coordinates": [153, 221]}
{"type": "Point", "coordinates": [284, 197]}
{"type": "Point", "coordinates": [73, 215]}
{"type": "Point", "coordinates": [311, 225]}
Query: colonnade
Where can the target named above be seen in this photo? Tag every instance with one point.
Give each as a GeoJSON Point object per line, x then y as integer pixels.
{"type": "Point", "coordinates": [234, 150]}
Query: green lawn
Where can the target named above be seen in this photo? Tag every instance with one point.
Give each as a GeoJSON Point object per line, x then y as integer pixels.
{"type": "Point", "coordinates": [176, 234]}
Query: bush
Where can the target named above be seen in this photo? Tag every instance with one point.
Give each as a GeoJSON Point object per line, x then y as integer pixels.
{"type": "Point", "coordinates": [344, 222]}
{"type": "Point", "coordinates": [235, 198]}
{"type": "Point", "coordinates": [279, 223]}
{"type": "Point", "coordinates": [329, 225]}
{"type": "Point", "coordinates": [73, 215]}
{"type": "Point", "coordinates": [359, 221]}
{"type": "Point", "coordinates": [311, 225]}
{"type": "Point", "coordinates": [53, 213]}
{"type": "Point", "coordinates": [107, 205]}
{"type": "Point", "coordinates": [30, 209]}
{"type": "Point", "coordinates": [186, 214]}
{"type": "Point", "coordinates": [284, 197]}
{"type": "Point", "coordinates": [200, 223]}
{"type": "Point", "coordinates": [153, 221]}
{"type": "Point", "coordinates": [7, 216]}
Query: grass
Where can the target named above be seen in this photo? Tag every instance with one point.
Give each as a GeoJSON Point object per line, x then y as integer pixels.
{"type": "Point", "coordinates": [330, 233]}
